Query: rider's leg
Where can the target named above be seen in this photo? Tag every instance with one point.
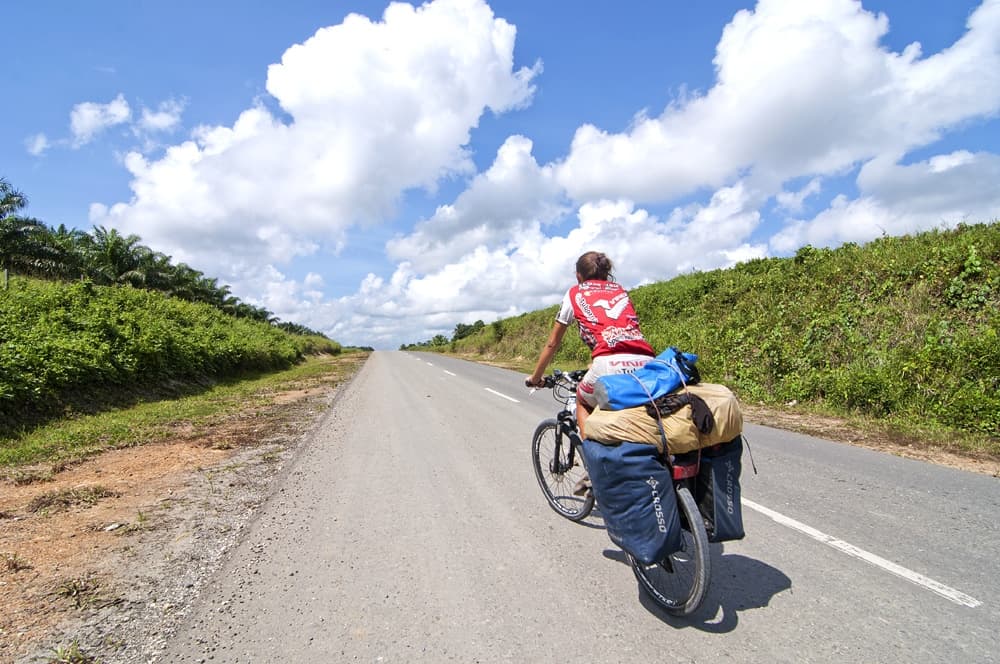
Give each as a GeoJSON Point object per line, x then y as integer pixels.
{"type": "Point", "coordinates": [585, 399]}
{"type": "Point", "coordinates": [583, 409]}
{"type": "Point", "coordinates": [582, 412]}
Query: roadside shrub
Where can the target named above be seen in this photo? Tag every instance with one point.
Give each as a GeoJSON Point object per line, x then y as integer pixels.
{"type": "Point", "coordinates": [59, 340]}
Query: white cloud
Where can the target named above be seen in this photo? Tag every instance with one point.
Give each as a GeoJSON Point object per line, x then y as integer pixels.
{"type": "Point", "coordinates": [794, 200]}
{"type": "Point", "coordinates": [512, 197]}
{"type": "Point", "coordinates": [37, 145]}
{"type": "Point", "coordinates": [89, 118]}
{"type": "Point", "coordinates": [166, 117]}
{"type": "Point", "coordinates": [803, 88]}
{"type": "Point", "coordinates": [376, 108]}
{"type": "Point", "coordinates": [941, 191]}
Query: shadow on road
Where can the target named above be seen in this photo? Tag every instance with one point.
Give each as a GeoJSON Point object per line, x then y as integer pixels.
{"type": "Point", "coordinates": [737, 583]}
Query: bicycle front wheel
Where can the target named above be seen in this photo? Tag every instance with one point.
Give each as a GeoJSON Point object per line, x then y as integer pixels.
{"type": "Point", "coordinates": [559, 468]}
{"type": "Point", "coordinates": [678, 584]}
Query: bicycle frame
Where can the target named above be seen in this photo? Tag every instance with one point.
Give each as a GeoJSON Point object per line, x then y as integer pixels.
{"type": "Point", "coordinates": [568, 429]}
{"type": "Point", "coordinates": [556, 451]}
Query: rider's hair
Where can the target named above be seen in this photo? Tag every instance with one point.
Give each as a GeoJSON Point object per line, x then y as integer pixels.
{"type": "Point", "coordinates": [594, 265]}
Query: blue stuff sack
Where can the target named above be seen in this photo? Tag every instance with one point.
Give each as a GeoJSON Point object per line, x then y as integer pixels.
{"type": "Point", "coordinates": [717, 491]}
{"type": "Point", "coordinates": [661, 375]}
{"type": "Point", "coordinates": [635, 492]}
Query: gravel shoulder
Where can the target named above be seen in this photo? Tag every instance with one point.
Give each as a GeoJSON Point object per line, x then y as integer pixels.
{"type": "Point", "coordinates": [108, 579]}
{"type": "Point", "coordinates": [113, 578]}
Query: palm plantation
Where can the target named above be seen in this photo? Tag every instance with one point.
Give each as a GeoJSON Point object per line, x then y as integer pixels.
{"type": "Point", "coordinates": [105, 257]}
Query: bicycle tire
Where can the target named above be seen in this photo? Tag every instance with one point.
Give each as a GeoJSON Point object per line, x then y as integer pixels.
{"type": "Point", "coordinates": [557, 487]}
{"type": "Point", "coordinates": [678, 585]}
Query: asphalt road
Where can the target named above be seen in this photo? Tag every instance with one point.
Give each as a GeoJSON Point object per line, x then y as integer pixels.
{"type": "Point", "coordinates": [410, 529]}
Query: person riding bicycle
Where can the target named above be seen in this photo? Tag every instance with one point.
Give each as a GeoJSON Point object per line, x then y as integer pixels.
{"type": "Point", "coordinates": [608, 325]}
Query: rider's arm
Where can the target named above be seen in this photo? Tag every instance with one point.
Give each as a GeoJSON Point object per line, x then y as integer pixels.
{"type": "Point", "coordinates": [551, 346]}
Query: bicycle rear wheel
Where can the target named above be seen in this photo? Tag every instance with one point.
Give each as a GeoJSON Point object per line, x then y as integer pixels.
{"type": "Point", "coordinates": [558, 469]}
{"type": "Point", "coordinates": [678, 584]}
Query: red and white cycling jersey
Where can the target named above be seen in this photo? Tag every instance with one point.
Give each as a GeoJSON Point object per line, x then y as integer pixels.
{"type": "Point", "coordinates": [608, 322]}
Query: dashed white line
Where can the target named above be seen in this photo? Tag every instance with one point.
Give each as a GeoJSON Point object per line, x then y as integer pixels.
{"type": "Point", "coordinates": [501, 395]}
{"type": "Point", "coordinates": [914, 577]}
{"type": "Point", "coordinates": [449, 373]}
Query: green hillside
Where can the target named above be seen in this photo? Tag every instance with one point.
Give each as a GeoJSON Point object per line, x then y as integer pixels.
{"type": "Point", "coordinates": [902, 329]}
{"type": "Point", "coordinates": [68, 347]}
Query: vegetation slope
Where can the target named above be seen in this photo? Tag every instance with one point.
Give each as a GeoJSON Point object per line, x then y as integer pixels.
{"type": "Point", "coordinates": [79, 347]}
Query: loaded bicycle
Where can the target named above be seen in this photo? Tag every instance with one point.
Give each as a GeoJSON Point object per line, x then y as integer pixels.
{"type": "Point", "coordinates": [678, 582]}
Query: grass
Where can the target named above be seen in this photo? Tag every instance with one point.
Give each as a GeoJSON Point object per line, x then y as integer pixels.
{"type": "Point", "coordinates": [70, 654]}
{"type": "Point", "coordinates": [71, 497]}
{"type": "Point", "coordinates": [81, 591]}
{"type": "Point", "coordinates": [75, 438]}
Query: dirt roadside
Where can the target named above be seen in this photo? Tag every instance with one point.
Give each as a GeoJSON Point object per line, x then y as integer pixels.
{"type": "Point", "coordinates": [117, 571]}
{"type": "Point", "coordinates": [108, 567]}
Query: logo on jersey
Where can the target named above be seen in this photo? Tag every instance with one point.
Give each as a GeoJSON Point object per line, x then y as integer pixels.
{"type": "Point", "coordinates": [615, 335]}
{"type": "Point", "coordinates": [581, 302]}
{"type": "Point", "coordinates": [615, 307]}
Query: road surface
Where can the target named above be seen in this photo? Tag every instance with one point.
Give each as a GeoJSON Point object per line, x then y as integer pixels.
{"type": "Point", "coordinates": [411, 529]}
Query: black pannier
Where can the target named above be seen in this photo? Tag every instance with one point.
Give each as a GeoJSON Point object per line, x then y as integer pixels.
{"type": "Point", "coordinates": [718, 491]}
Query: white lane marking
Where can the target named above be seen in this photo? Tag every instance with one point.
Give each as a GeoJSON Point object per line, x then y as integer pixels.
{"type": "Point", "coordinates": [429, 364]}
{"type": "Point", "coordinates": [449, 373]}
{"type": "Point", "coordinates": [914, 577]}
{"type": "Point", "coordinates": [501, 395]}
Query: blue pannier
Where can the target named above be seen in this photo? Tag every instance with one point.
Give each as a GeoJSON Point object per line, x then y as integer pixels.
{"type": "Point", "coordinates": [661, 375]}
{"type": "Point", "coordinates": [717, 491]}
{"type": "Point", "coordinates": [635, 492]}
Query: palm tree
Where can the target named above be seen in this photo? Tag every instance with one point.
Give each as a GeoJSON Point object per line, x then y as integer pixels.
{"type": "Point", "coordinates": [21, 245]}
{"type": "Point", "coordinates": [69, 250]}
{"type": "Point", "coordinates": [19, 236]}
{"type": "Point", "coordinates": [182, 282]}
{"type": "Point", "coordinates": [11, 200]}
{"type": "Point", "coordinates": [118, 259]}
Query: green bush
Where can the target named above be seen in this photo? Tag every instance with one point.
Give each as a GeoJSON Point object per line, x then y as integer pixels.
{"type": "Point", "coordinates": [59, 341]}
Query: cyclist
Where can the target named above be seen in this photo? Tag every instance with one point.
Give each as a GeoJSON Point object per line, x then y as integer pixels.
{"type": "Point", "coordinates": [608, 326]}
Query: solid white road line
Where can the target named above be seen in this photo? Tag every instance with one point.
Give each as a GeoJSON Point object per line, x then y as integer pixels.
{"type": "Point", "coordinates": [501, 395]}
{"type": "Point", "coordinates": [935, 586]}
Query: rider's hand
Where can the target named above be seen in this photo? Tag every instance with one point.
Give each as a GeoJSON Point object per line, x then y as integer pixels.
{"type": "Point", "coordinates": [531, 382]}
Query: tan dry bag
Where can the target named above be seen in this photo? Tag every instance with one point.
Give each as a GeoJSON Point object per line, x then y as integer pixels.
{"type": "Point", "coordinates": [637, 426]}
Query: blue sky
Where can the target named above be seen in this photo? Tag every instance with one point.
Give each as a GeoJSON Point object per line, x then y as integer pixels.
{"type": "Point", "coordinates": [383, 173]}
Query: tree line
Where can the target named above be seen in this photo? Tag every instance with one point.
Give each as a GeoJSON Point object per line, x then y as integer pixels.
{"type": "Point", "coordinates": [461, 332]}
{"type": "Point", "coordinates": [106, 257]}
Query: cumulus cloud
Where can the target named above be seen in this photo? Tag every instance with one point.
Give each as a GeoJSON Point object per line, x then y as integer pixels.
{"type": "Point", "coordinates": [376, 108]}
{"type": "Point", "coordinates": [90, 118]}
{"type": "Point", "coordinates": [803, 88]}
{"type": "Point", "coordinates": [514, 196]}
{"type": "Point", "coordinates": [897, 199]}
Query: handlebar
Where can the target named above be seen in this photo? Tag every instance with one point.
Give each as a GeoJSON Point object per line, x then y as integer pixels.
{"type": "Point", "coordinates": [558, 377]}
{"type": "Point", "coordinates": [563, 383]}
